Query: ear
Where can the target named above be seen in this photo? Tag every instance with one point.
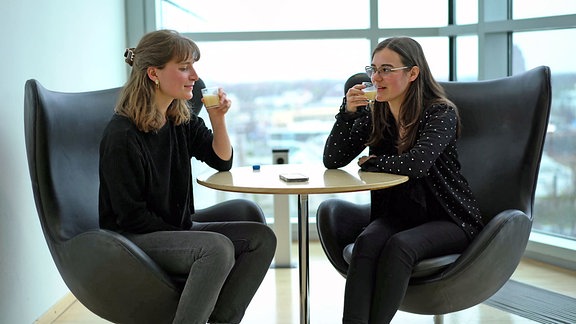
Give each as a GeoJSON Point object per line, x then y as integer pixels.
{"type": "Point", "coordinates": [151, 71]}
{"type": "Point", "coordinates": [414, 72]}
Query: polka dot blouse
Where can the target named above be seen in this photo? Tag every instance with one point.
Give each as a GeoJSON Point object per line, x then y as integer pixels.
{"type": "Point", "coordinates": [433, 159]}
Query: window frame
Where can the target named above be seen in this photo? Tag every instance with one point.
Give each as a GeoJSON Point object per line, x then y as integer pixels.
{"type": "Point", "coordinates": [494, 30]}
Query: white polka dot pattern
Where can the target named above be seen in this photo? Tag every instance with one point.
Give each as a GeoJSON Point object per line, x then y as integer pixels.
{"type": "Point", "coordinates": [434, 158]}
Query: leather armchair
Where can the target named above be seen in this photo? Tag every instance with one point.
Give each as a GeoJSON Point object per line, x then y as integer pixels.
{"type": "Point", "coordinates": [504, 127]}
{"type": "Point", "coordinates": [105, 271]}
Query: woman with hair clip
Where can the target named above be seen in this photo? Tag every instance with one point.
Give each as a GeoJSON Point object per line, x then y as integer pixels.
{"type": "Point", "coordinates": [411, 129]}
{"type": "Point", "coordinates": [146, 193]}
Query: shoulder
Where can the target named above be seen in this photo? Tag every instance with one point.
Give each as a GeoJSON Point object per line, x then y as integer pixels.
{"type": "Point", "coordinates": [440, 116]}
{"type": "Point", "coordinates": [440, 107]}
{"type": "Point", "coordinates": [120, 130]}
{"type": "Point", "coordinates": [442, 110]}
{"type": "Point", "coordinates": [119, 122]}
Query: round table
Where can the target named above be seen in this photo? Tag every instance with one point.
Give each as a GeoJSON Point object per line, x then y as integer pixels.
{"type": "Point", "coordinates": [266, 180]}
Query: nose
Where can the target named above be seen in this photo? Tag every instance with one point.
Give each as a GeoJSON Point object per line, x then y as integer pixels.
{"type": "Point", "coordinates": [193, 75]}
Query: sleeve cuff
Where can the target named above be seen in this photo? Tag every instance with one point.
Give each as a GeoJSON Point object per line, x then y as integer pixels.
{"type": "Point", "coordinates": [345, 115]}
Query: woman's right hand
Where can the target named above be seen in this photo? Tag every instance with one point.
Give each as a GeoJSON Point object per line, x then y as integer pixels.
{"type": "Point", "coordinates": [355, 98]}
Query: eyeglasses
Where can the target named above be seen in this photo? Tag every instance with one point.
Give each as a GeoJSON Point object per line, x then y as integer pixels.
{"type": "Point", "coordinates": [383, 70]}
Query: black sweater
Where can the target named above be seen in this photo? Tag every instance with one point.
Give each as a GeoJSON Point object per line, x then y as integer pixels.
{"type": "Point", "coordinates": [432, 163]}
{"type": "Point", "coordinates": [146, 178]}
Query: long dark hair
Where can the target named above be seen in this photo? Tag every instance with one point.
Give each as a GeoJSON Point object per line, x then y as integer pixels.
{"type": "Point", "coordinates": [423, 92]}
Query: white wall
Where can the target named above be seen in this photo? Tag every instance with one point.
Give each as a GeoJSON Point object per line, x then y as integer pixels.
{"type": "Point", "coordinates": [68, 45]}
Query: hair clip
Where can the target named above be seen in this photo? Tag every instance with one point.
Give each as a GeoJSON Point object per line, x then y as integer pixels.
{"type": "Point", "coordinates": [129, 55]}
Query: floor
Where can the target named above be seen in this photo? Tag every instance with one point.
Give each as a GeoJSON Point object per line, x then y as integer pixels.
{"type": "Point", "coordinates": [277, 299]}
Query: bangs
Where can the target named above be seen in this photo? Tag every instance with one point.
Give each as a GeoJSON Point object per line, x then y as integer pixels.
{"type": "Point", "coordinates": [185, 49]}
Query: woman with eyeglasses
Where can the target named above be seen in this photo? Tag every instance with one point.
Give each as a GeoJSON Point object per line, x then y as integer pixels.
{"type": "Point", "coordinates": [222, 252]}
{"type": "Point", "coordinates": [411, 129]}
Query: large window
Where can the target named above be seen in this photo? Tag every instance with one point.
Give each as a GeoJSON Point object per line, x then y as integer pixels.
{"type": "Point", "coordinates": [287, 86]}
{"type": "Point", "coordinates": [412, 13]}
{"type": "Point", "coordinates": [555, 207]}
{"type": "Point", "coordinates": [285, 95]}
{"type": "Point", "coordinates": [257, 15]}
{"type": "Point", "coordinates": [284, 65]}
{"type": "Point", "coordinates": [466, 12]}
{"type": "Point", "coordinates": [467, 58]}
{"type": "Point", "coordinates": [523, 9]}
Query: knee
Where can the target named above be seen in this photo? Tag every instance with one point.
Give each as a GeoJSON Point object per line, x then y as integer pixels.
{"type": "Point", "coordinates": [249, 211]}
{"type": "Point", "coordinates": [221, 249]}
{"type": "Point", "coordinates": [266, 237]}
{"type": "Point", "coordinates": [259, 239]}
{"type": "Point", "coordinates": [368, 245]}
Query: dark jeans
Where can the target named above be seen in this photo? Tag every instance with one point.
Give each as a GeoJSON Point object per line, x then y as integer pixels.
{"type": "Point", "coordinates": [382, 262]}
{"type": "Point", "coordinates": [224, 261]}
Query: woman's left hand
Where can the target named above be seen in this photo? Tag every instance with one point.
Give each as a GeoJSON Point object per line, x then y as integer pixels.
{"type": "Point", "coordinates": [365, 158]}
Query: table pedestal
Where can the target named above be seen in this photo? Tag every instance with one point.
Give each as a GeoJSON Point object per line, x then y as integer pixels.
{"type": "Point", "coordinates": [283, 231]}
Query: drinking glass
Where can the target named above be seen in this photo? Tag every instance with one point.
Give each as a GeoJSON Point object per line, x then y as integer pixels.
{"type": "Point", "coordinates": [211, 98]}
{"type": "Point", "coordinates": [369, 91]}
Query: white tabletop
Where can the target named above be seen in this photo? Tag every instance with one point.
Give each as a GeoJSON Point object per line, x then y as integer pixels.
{"type": "Point", "coordinates": [321, 180]}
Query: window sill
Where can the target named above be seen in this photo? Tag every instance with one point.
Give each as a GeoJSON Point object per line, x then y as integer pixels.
{"type": "Point", "coordinates": [552, 249]}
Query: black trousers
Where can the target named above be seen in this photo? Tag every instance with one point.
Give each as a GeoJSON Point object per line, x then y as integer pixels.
{"type": "Point", "coordinates": [385, 254]}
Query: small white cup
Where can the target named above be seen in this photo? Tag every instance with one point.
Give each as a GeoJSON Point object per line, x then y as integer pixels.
{"type": "Point", "coordinates": [211, 98]}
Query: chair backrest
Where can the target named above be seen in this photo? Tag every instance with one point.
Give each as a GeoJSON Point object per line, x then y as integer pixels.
{"type": "Point", "coordinates": [63, 132]}
{"type": "Point", "coordinates": [357, 78]}
{"type": "Point", "coordinates": [504, 123]}
{"type": "Point", "coordinates": [196, 101]}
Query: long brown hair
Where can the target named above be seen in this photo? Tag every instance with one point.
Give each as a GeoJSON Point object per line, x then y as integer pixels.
{"type": "Point", "coordinates": [423, 92]}
{"type": "Point", "coordinates": [136, 101]}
